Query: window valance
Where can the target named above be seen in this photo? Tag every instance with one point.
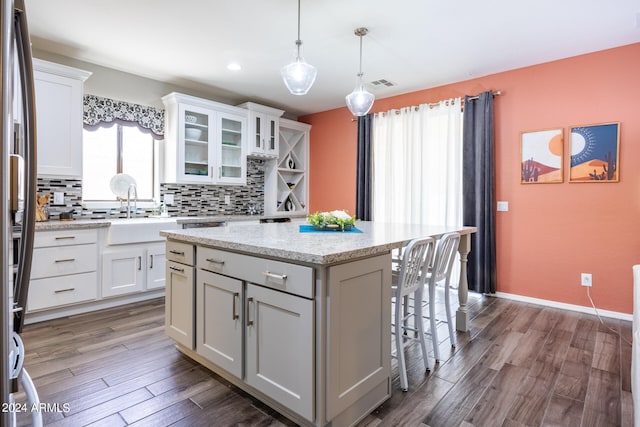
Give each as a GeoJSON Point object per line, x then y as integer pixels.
{"type": "Point", "coordinates": [97, 111]}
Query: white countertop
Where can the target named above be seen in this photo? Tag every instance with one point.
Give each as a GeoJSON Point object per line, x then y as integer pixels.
{"type": "Point", "coordinates": [285, 241]}
{"type": "Point", "coordinates": [82, 223]}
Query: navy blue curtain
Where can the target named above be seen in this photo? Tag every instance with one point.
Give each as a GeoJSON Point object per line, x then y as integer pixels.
{"type": "Point", "coordinates": [364, 169]}
{"type": "Point", "coordinates": [478, 189]}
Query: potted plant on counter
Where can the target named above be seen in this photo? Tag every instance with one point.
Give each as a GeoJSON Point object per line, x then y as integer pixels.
{"type": "Point", "coordinates": [338, 220]}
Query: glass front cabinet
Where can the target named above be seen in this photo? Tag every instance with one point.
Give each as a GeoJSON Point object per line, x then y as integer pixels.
{"type": "Point", "coordinates": [205, 141]}
{"type": "Point", "coordinates": [263, 130]}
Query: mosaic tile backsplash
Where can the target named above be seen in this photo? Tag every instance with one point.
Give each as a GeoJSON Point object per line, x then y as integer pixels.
{"type": "Point", "coordinates": [189, 199]}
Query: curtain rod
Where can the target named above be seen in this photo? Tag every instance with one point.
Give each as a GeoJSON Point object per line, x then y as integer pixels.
{"type": "Point", "coordinates": [435, 104]}
{"type": "Point", "coordinates": [495, 93]}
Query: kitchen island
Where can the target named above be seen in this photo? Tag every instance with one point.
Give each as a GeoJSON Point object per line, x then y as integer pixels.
{"type": "Point", "coordinates": [299, 320]}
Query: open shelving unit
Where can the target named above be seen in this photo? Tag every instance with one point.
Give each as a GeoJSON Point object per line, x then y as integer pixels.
{"type": "Point", "coordinates": [286, 180]}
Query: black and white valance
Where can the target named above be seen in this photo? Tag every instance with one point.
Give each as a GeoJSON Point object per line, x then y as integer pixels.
{"type": "Point", "coordinates": [97, 111]}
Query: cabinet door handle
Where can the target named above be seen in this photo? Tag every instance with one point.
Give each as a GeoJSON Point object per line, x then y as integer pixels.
{"type": "Point", "coordinates": [179, 270]}
{"type": "Point", "coordinates": [219, 171]}
{"type": "Point", "coordinates": [65, 237]}
{"type": "Point", "coordinates": [173, 251]}
{"type": "Point", "coordinates": [282, 277]}
{"type": "Point", "coordinates": [215, 261]}
{"type": "Point", "coordinates": [59, 291]}
{"type": "Point", "coordinates": [139, 263]}
{"type": "Point", "coordinates": [249, 304]}
{"type": "Point", "coordinates": [150, 261]}
{"type": "Point", "coordinates": [65, 260]}
{"type": "Point", "coordinates": [234, 315]}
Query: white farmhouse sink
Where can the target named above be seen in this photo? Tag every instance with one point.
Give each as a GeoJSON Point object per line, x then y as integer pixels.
{"type": "Point", "coordinates": [138, 230]}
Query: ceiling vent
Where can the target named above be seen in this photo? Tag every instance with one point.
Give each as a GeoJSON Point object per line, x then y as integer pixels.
{"type": "Point", "coordinates": [382, 83]}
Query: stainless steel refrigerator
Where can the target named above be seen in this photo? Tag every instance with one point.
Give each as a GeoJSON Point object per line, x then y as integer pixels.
{"type": "Point", "coordinates": [17, 199]}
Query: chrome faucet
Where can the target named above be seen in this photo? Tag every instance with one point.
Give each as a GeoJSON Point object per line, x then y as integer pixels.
{"type": "Point", "coordinates": [135, 200]}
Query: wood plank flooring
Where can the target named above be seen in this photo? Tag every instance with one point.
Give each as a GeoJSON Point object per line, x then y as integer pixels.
{"type": "Point", "coordinates": [519, 365]}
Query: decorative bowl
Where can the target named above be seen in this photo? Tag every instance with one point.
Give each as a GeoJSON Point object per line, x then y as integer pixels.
{"type": "Point", "coordinates": [190, 119]}
{"type": "Point", "coordinates": [191, 133]}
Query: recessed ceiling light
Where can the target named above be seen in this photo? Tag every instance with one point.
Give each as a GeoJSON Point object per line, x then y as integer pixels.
{"type": "Point", "coordinates": [234, 66]}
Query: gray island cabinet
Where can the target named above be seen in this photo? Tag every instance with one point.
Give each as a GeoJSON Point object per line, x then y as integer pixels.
{"type": "Point", "coordinates": [299, 320]}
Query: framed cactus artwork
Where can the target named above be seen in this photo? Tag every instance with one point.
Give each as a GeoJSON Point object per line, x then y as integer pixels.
{"type": "Point", "coordinates": [595, 153]}
{"type": "Point", "coordinates": [541, 156]}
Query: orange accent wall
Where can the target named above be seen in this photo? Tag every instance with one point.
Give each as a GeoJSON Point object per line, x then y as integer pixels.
{"type": "Point", "coordinates": [552, 232]}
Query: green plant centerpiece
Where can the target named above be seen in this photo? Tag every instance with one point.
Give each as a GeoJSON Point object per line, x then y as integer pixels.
{"type": "Point", "coordinates": [337, 220]}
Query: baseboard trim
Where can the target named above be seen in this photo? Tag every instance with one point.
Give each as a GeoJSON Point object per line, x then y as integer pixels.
{"type": "Point", "coordinates": [565, 306]}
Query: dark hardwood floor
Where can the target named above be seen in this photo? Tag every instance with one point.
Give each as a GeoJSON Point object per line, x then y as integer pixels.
{"type": "Point", "coordinates": [519, 365]}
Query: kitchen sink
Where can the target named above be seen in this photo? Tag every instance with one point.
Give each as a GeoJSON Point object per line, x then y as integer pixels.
{"type": "Point", "coordinates": [138, 230]}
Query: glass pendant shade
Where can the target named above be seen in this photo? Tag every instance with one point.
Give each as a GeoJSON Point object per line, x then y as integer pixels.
{"type": "Point", "coordinates": [298, 76]}
{"type": "Point", "coordinates": [360, 100]}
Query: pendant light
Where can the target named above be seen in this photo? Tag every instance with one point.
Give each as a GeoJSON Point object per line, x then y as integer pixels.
{"type": "Point", "coordinates": [360, 100]}
{"type": "Point", "coordinates": [298, 76]}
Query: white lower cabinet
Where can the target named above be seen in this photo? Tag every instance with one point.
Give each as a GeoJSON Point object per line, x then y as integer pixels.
{"type": "Point", "coordinates": [156, 265]}
{"type": "Point", "coordinates": [132, 268]}
{"type": "Point", "coordinates": [278, 336]}
{"type": "Point", "coordinates": [279, 347]}
{"type": "Point", "coordinates": [122, 271]}
{"type": "Point", "coordinates": [63, 269]}
{"type": "Point", "coordinates": [219, 320]}
{"type": "Point", "coordinates": [313, 342]}
{"type": "Point", "coordinates": [180, 294]}
{"type": "Point", "coordinates": [275, 328]}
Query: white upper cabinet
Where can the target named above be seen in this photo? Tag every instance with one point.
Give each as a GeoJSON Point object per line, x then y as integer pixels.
{"type": "Point", "coordinates": [205, 141]}
{"type": "Point", "coordinates": [263, 130]}
{"type": "Point", "coordinates": [59, 91]}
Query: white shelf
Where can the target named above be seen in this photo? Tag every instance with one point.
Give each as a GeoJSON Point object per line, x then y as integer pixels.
{"type": "Point", "coordinates": [287, 170]}
{"type": "Point", "coordinates": [195, 125]}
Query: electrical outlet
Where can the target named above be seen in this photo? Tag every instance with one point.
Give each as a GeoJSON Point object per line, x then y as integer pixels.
{"type": "Point", "coordinates": [503, 206]}
{"type": "Point", "coordinates": [227, 199]}
{"type": "Point", "coordinates": [586, 279]}
{"type": "Point", "coordinates": [168, 199]}
{"type": "Point", "coordinates": [58, 198]}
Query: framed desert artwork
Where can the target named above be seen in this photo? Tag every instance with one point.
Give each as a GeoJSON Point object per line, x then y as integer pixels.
{"type": "Point", "coordinates": [595, 153]}
{"type": "Point", "coordinates": [541, 156]}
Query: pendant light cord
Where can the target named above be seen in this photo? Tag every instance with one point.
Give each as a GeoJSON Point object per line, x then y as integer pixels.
{"type": "Point", "coordinates": [360, 72]}
{"type": "Point", "coordinates": [298, 41]}
{"type": "Point", "coordinates": [360, 32]}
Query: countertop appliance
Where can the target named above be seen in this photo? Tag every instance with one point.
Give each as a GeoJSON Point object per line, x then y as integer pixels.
{"type": "Point", "coordinates": [17, 218]}
{"type": "Point", "coordinates": [204, 224]}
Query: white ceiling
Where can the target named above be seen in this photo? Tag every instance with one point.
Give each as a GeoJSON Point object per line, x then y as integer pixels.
{"type": "Point", "coordinates": [416, 44]}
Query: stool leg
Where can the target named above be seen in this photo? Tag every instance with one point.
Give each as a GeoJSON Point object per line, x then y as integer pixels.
{"type": "Point", "coordinates": [402, 368]}
{"type": "Point", "coordinates": [420, 327]}
{"type": "Point", "coordinates": [432, 321]}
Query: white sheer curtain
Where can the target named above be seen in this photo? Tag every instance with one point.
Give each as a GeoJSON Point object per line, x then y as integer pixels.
{"type": "Point", "coordinates": [417, 164]}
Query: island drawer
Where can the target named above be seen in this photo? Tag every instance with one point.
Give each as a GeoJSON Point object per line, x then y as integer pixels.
{"type": "Point", "coordinates": [283, 276]}
{"type": "Point", "coordinates": [180, 252]}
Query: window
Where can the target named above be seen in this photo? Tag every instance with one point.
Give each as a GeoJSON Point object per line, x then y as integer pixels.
{"type": "Point", "coordinates": [117, 149]}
